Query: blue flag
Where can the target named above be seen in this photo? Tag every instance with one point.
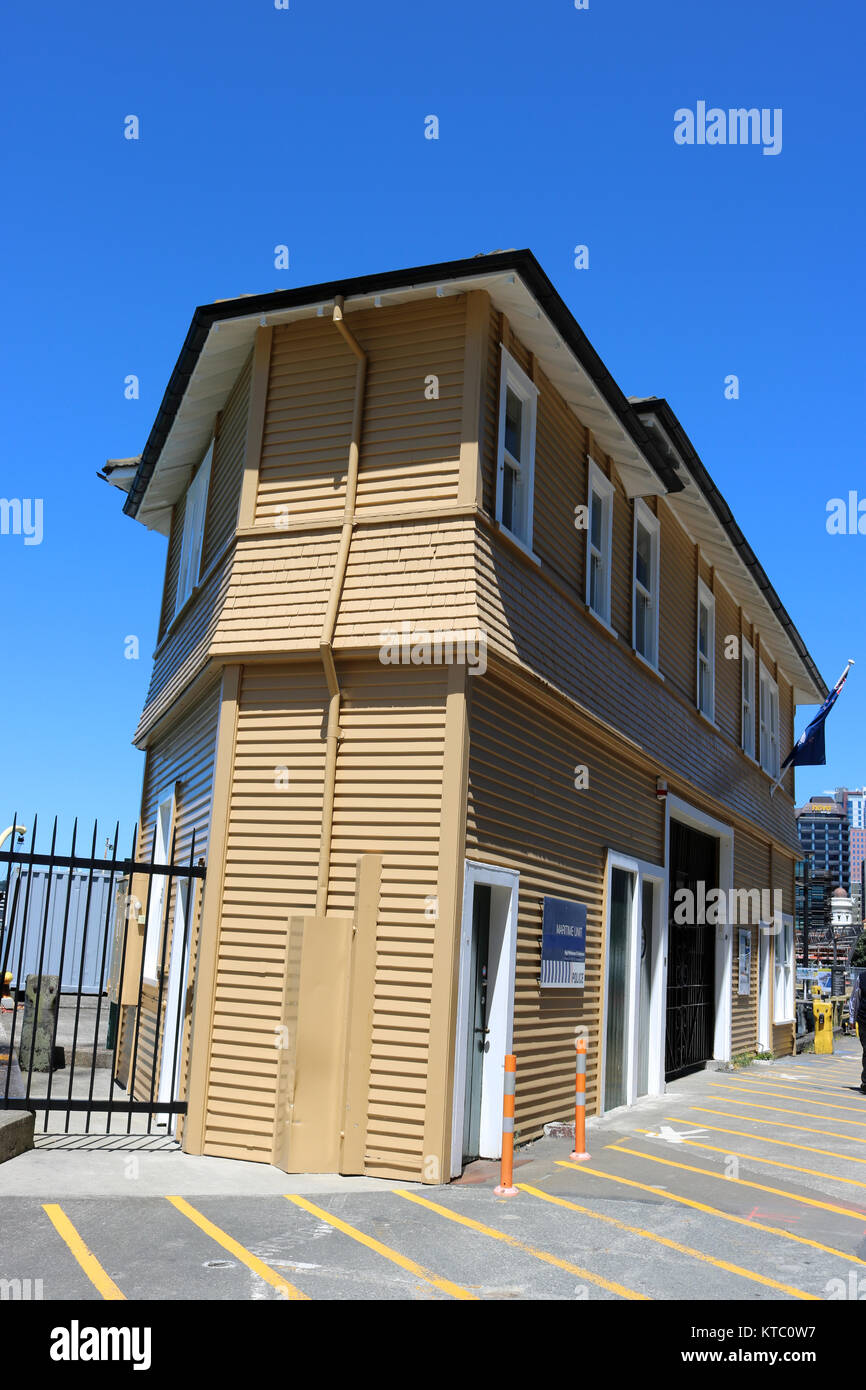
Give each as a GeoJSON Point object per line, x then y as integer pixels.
{"type": "Point", "coordinates": [808, 751]}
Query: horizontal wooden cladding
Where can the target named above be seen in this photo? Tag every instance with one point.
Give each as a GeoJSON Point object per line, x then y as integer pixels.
{"type": "Point", "coordinates": [172, 567]}
{"type": "Point", "coordinates": [410, 443]}
{"type": "Point", "coordinates": [226, 470]}
{"type": "Point", "coordinates": [560, 453]}
{"type": "Point", "coordinates": [413, 571]}
{"type": "Point", "coordinates": [387, 801]}
{"type": "Point", "coordinates": [525, 813]}
{"type": "Point", "coordinates": [569, 649]}
{"type": "Point", "coordinates": [180, 658]}
{"type": "Point", "coordinates": [181, 764]}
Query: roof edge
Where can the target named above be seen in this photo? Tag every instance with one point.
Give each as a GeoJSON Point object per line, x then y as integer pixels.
{"type": "Point", "coordinates": [521, 262]}
{"type": "Point", "coordinates": [658, 405]}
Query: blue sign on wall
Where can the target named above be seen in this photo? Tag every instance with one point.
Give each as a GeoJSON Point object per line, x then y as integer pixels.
{"type": "Point", "coordinates": [563, 944]}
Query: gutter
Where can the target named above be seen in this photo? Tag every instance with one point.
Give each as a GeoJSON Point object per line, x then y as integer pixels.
{"type": "Point", "coordinates": [326, 640]}
{"type": "Point", "coordinates": [659, 406]}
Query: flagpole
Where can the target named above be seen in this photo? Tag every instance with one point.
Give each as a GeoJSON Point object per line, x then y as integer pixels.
{"type": "Point", "coordinates": [777, 784]}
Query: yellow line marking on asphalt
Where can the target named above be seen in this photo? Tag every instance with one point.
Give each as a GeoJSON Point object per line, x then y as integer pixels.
{"type": "Point", "coordinates": [239, 1251]}
{"type": "Point", "coordinates": [455, 1290]}
{"type": "Point", "coordinates": [782, 1095]}
{"type": "Point", "coordinates": [776, 1162]}
{"type": "Point", "coordinates": [796, 1086]}
{"type": "Point", "coordinates": [544, 1255]}
{"type": "Point", "coordinates": [83, 1254]}
{"type": "Point", "coordinates": [746, 1182]}
{"type": "Point", "coordinates": [712, 1211]}
{"type": "Point", "coordinates": [782, 1124]}
{"type": "Point", "coordinates": [786, 1110]}
{"type": "Point", "coordinates": [672, 1244]}
{"type": "Point", "coordinates": [783, 1143]}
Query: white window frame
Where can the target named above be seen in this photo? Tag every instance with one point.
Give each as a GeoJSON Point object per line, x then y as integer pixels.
{"type": "Point", "coordinates": [194, 513]}
{"type": "Point", "coordinates": [514, 377]}
{"type": "Point", "coordinates": [783, 971]}
{"type": "Point", "coordinates": [768, 722]}
{"type": "Point", "coordinates": [747, 656]}
{"type": "Point", "coordinates": [156, 906]}
{"type": "Point", "coordinates": [650, 523]}
{"type": "Point", "coordinates": [598, 483]}
{"type": "Point", "coordinates": [706, 599]}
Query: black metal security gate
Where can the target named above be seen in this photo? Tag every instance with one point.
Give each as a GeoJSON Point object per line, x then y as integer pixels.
{"type": "Point", "coordinates": [691, 952]}
{"type": "Point", "coordinates": [73, 918]}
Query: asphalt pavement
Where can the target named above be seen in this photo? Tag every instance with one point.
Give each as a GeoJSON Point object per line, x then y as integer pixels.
{"type": "Point", "coordinates": [735, 1185]}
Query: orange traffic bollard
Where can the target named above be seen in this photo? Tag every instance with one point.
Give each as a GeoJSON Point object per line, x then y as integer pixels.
{"type": "Point", "coordinates": [580, 1103]}
{"type": "Point", "coordinates": [506, 1186]}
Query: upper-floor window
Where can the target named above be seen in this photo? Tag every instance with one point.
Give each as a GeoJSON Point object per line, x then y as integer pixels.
{"type": "Point", "coordinates": [515, 471]}
{"type": "Point", "coordinates": [747, 672]}
{"type": "Point", "coordinates": [769, 714]}
{"type": "Point", "coordinates": [193, 531]}
{"type": "Point", "coordinates": [645, 610]}
{"type": "Point", "coordinates": [706, 651]}
{"type": "Point", "coordinates": [599, 542]}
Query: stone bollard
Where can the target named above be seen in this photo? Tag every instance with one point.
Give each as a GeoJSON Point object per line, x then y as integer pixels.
{"type": "Point", "coordinates": [37, 1031]}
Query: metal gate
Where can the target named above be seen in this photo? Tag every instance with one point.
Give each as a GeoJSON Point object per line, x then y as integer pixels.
{"type": "Point", "coordinates": [691, 1013]}
{"type": "Point", "coordinates": [84, 1034]}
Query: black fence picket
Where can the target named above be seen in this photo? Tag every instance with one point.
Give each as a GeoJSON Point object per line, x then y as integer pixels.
{"type": "Point", "coordinates": [26, 934]}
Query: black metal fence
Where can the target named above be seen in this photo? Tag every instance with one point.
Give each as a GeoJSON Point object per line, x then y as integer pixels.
{"type": "Point", "coordinates": [84, 1030]}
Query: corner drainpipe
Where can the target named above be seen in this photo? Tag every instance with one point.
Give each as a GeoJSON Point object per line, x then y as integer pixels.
{"type": "Point", "coordinates": [326, 640]}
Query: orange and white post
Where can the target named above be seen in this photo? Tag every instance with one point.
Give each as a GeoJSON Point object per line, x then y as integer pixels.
{"type": "Point", "coordinates": [506, 1186]}
{"type": "Point", "coordinates": [580, 1103]}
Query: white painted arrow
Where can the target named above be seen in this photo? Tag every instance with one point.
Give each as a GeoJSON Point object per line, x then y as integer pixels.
{"type": "Point", "coordinates": [675, 1136]}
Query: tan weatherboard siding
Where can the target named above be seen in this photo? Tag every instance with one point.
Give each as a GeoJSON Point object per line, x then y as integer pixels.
{"type": "Point", "coordinates": [184, 650]}
{"type": "Point", "coordinates": [226, 470]}
{"type": "Point", "coordinates": [418, 572]}
{"type": "Point", "coordinates": [410, 445]}
{"type": "Point", "coordinates": [172, 566]}
{"type": "Point", "coordinates": [182, 758]}
{"type": "Point", "coordinates": [574, 653]}
{"type": "Point", "coordinates": [751, 870]}
{"type": "Point", "coordinates": [560, 486]}
{"type": "Point", "coordinates": [388, 801]}
{"type": "Point", "coordinates": [525, 814]}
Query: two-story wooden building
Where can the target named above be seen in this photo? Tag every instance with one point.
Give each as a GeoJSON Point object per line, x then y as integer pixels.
{"type": "Point", "coordinates": [450, 627]}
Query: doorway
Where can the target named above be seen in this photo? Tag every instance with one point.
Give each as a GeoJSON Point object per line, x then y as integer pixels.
{"type": "Point", "coordinates": [633, 1026]}
{"type": "Point", "coordinates": [477, 1039]}
{"type": "Point", "coordinates": [693, 861]}
{"type": "Point", "coordinates": [485, 1009]}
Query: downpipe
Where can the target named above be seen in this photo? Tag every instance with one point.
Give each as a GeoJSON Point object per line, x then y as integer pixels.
{"type": "Point", "coordinates": [326, 640]}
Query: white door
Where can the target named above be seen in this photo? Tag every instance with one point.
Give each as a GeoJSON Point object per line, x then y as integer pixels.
{"type": "Point", "coordinates": [764, 1034]}
{"type": "Point", "coordinates": [175, 993]}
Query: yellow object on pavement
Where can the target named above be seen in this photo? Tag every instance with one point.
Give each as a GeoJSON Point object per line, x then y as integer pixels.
{"type": "Point", "coordinates": [823, 1012]}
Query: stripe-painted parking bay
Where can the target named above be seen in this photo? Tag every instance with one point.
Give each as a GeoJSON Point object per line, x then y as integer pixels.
{"type": "Point", "coordinates": [700, 1194]}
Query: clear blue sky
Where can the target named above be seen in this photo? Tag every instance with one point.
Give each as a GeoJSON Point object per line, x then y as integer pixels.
{"type": "Point", "coordinates": [306, 127]}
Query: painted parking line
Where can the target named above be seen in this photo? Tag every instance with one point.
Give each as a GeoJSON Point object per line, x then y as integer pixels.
{"type": "Point", "coordinates": [759, 1158]}
{"type": "Point", "coordinates": [516, 1244]}
{"type": "Point", "coordinates": [787, 1110]}
{"type": "Point", "coordinates": [858, 1215]}
{"type": "Point", "coordinates": [83, 1254]}
{"type": "Point", "coordinates": [780, 1143]}
{"type": "Point", "coordinates": [711, 1211]}
{"type": "Point", "coordinates": [782, 1124]}
{"type": "Point", "coordinates": [782, 1095]}
{"type": "Point", "coordinates": [799, 1086]}
{"type": "Point", "coordinates": [239, 1251]}
{"type": "Point", "coordinates": [455, 1290]}
{"type": "Point", "coordinates": [672, 1244]}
